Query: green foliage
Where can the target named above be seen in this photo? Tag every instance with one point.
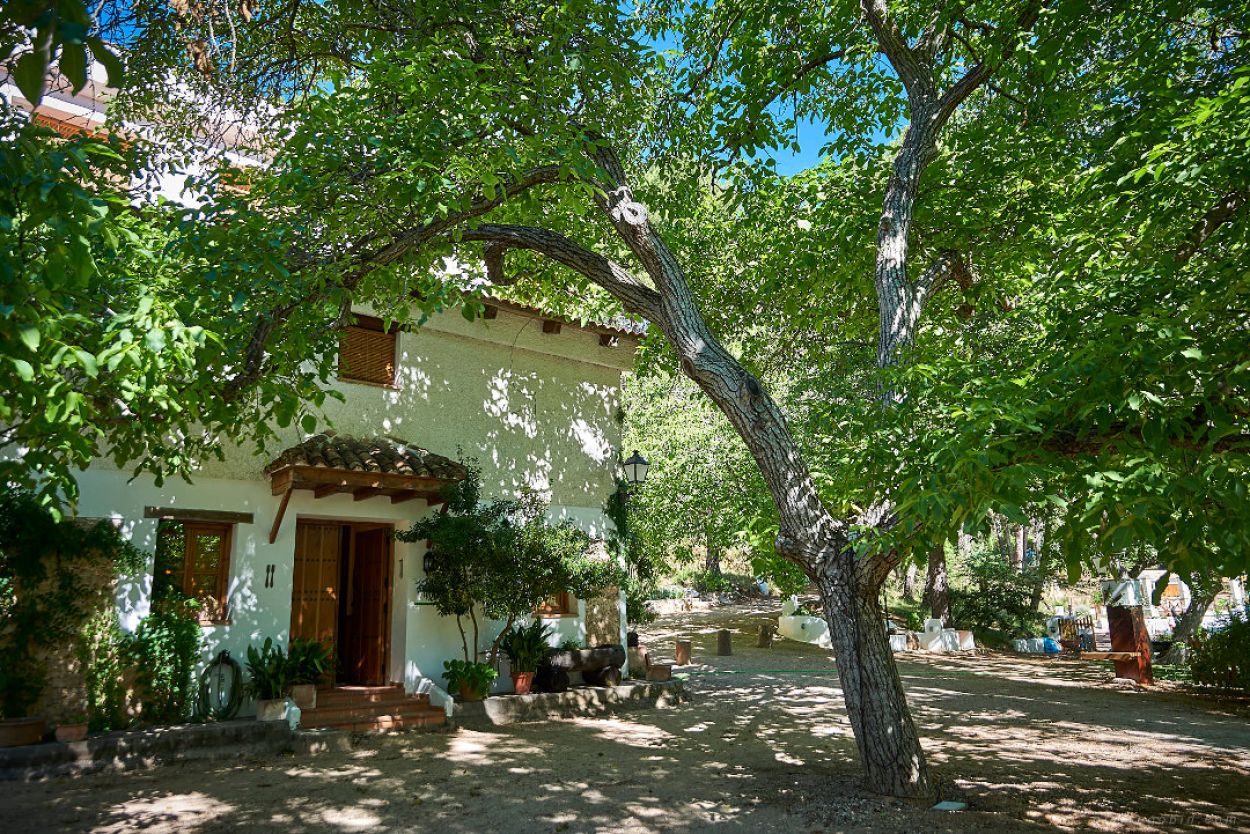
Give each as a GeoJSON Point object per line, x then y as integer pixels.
{"type": "Point", "coordinates": [268, 671]}
{"type": "Point", "coordinates": [475, 677]}
{"type": "Point", "coordinates": [994, 599]}
{"type": "Point", "coordinates": [36, 34]}
{"type": "Point", "coordinates": [1222, 658]}
{"type": "Point", "coordinates": [570, 644]}
{"type": "Point", "coordinates": [166, 650]}
{"type": "Point", "coordinates": [503, 557]}
{"type": "Point", "coordinates": [44, 601]}
{"type": "Point", "coordinates": [526, 645]}
{"type": "Point", "coordinates": [308, 660]}
{"type": "Point", "coordinates": [105, 654]}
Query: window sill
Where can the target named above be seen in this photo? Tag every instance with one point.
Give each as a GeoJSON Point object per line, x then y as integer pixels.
{"type": "Point", "coordinates": [388, 386]}
{"type": "Point", "coordinates": [543, 615]}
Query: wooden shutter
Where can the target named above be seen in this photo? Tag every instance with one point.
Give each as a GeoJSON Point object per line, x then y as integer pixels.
{"type": "Point", "coordinates": [563, 604]}
{"type": "Point", "coordinates": [367, 352]}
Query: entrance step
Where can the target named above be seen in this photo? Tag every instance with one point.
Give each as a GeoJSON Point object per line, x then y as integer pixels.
{"type": "Point", "coordinates": [363, 709]}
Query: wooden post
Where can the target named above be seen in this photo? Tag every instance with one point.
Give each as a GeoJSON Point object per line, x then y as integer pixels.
{"type": "Point", "coordinates": [683, 652]}
{"type": "Point", "coordinates": [767, 631]}
{"type": "Point", "coordinates": [724, 643]}
{"type": "Point", "coordinates": [1129, 634]}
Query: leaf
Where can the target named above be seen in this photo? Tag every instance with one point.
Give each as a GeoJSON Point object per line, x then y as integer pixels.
{"type": "Point", "coordinates": [112, 64]}
{"type": "Point", "coordinates": [73, 64]}
{"type": "Point", "coordinates": [30, 75]}
{"type": "Point", "coordinates": [24, 369]}
{"type": "Point", "coordinates": [29, 335]}
{"type": "Point", "coordinates": [308, 423]}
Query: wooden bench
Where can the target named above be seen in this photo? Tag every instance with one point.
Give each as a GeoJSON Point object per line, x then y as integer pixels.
{"type": "Point", "coordinates": [1109, 655]}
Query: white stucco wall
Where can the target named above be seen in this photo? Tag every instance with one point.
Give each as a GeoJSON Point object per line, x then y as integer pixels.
{"type": "Point", "coordinates": [536, 410]}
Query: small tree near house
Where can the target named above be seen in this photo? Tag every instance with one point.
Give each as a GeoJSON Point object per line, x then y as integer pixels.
{"type": "Point", "coordinates": [502, 559]}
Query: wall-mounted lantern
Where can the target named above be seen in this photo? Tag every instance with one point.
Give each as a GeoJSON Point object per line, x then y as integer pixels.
{"type": "Point", "coordinates": [636, 467]}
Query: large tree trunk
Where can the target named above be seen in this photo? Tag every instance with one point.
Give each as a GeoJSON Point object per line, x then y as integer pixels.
{"type": "Point", "coordinates": [1202, 593]}
{"type": "Point", "coordinates": [711, 558]}
{"type": "Point", "coordinates": [889, 746]}
{"type": "Point", "coordinates": [937, 591]}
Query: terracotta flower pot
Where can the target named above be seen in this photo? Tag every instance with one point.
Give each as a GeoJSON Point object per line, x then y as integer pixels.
{"type": "Point", "coordinates": [71, 732]}
{"type": "Point", "coordinates": [16, 732]}
{"type": "Point", "coordinates": [304, 695]}
{"type": "Point", "coordinates": [468, 694]}
{"type": "Point", "coordinates": [273, 709]}
{"type": "Point", "coordinates": [522, 682]}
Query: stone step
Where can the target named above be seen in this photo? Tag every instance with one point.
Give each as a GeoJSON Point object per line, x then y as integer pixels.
{"type": "Point", "coordinates": [364, 722]}
{"type": "Point", "coordinates": [338, 698]}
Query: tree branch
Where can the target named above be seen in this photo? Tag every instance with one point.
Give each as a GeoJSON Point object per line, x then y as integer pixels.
{"type": "Point", "coordinates": [1223, 211]}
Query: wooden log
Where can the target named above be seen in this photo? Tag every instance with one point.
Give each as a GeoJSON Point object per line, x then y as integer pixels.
{"type": "Point", "coordinates": [767, 632]}
{"type": "Point", "coordinates": [724, 643]}
{"type": "Point", "coordinates": [683, 652]}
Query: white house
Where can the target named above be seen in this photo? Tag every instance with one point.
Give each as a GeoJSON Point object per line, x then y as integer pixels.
{"type": "Point", "coordinates": [298, 541]}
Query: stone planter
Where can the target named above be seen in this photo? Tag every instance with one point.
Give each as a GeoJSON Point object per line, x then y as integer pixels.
{"type": "Point", "coordinates": [71, 732]}
{"type": "Point", "coordinates": [18, 732]}
{"type": "Point", "coordinates": [304, 695]}
{"type": "Point", "coordinates": [273, 709]}
{"type": "Point", "coordinates": [522, 682]}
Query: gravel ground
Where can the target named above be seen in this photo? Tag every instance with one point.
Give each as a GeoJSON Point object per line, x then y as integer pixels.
{"type": "Point", "coordinates": [763, 745]}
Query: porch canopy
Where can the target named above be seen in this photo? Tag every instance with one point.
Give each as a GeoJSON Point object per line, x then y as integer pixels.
{"type": "Point", "coordinates": [329, 464]}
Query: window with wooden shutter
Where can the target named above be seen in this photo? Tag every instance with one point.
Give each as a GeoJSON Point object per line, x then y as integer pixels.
{"type": "Point", "coordinates": [563, 604]}
{"type": "Point", "coordinates": [367, 352]}
{"type": "Point", "coordinates": [193, 560]}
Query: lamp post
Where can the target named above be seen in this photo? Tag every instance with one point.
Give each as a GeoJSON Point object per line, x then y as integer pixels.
{"type": "Point", "coordinates": [635, 467]}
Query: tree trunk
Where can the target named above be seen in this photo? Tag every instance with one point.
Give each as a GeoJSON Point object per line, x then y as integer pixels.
{"type": "Point", "coordinates": [711, 559]}
{"type": "Point", "coordinates": [1203, 592]}
{"type": "Point", "coordinates": [909, 582]}
{"type": "Point", "coordinates": [1022, 543]}
{"type": "Point", "coordinates": [937, 592]}
{"type": "Point", "coordinates": [889, 746]}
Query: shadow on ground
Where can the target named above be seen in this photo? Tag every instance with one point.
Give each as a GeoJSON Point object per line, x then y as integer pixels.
{"type": "Point", "coordinates": [764, 745]}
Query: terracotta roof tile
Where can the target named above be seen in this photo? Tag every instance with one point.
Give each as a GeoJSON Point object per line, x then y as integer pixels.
{"type": "Point", "coordinates": [388, 455]}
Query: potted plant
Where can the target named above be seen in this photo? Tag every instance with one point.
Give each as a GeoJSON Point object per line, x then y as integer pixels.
{"type": "Point", "coordinates": [525, 646]}
{"type": "Point", "coordinates": [307, 663]}
{"type": "Point", "coordinates": [74, 728]}
{"type": "Point", "coordinates": [267, 672]}
{"type": "Point", "coordinates": [471, 680]}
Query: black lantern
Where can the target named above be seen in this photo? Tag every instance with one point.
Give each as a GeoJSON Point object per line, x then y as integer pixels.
{"type": "Point", "coordinates": [636, 467]}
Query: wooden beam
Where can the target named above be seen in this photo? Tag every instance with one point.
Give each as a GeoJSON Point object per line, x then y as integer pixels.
{"type": "Point", "coordinates": [608, 340]}
{"type": "Point", "coordinates": [277, 519]}
{"type": "Point", "coordinates": [550, 326]}
{"type": "Point", "coordinates": [401, 497]}
{"type": "Point", "coordinates": [180, 514]}
{"type": "Point", "coordinates": [324, 490]}
{"type": "Point", "coordinates": [368, 492]}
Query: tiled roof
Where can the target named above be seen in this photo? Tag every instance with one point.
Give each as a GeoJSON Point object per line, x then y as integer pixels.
{"type": "Point", "coordinates": [387, 455]}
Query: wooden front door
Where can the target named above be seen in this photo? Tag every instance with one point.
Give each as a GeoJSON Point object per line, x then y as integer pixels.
{"type": "Point", "coordinates": [315, 585]}
{"type": "Point", "coordinates": [365, 609]}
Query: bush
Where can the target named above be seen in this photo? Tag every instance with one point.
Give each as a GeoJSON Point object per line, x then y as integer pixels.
{"type": "Point", "coordinates": [268, 671]}
{"type": "Point", "coordinates": [526, 646]}
{"type": "Point", "coordinates": [637, 593]}
{"type": "Point", "coordinates": [166, 651]}
{"type": "Point", "coordinates": [996, 601]}
{"type": "Point", "coordinates": [308, 661]}
{"type": "Point", "coordinates": [476, 677]}
{"type": "Point", "coordinates": [1222, 658]}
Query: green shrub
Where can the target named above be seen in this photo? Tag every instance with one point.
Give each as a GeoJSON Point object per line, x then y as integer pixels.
{"type": "Point", "coordinates": [1222, 658]}
{"type": "Point", "coordinates": [526, 645]}
{"type": "Point", "coordinates": [105, 651]}
{"type": "Point", "coordinates": [166, 650]}
{"type": "Point", "coordinates": [636, 595]}
{"type": "Point", "coordinates": [995, 599]}
{"type": "Point", "coordinates": [476, 677]}
{"type": "Point", "coordinates": [308, 661]}
{"type": "Point", "coordinates": [268, 671]}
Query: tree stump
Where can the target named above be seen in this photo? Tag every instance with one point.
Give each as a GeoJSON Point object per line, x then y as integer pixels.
{"type": "Point", "coordinates": [724, 643]}
{"type": "Point", "coordinates": [767, 632]}
{"type": "Point", "coordinates": [683, 652]}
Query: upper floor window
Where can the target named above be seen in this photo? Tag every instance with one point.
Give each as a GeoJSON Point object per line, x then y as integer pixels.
{"type": "Point", "coordinates": [367, 352]}
{"type": "Point", "coordinates": [193, 559]}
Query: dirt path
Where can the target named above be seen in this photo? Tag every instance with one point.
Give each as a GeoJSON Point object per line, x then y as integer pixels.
{"type": "Point", "coordinates": [763, 745]}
